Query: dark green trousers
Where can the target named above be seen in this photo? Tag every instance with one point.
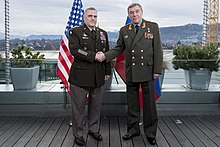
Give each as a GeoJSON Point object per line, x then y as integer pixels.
{"type": "Point", "coordinates": [150, 119]}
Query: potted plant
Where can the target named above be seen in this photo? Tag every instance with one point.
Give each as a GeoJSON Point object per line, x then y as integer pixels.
{"type": "Point", "coordinates": [25, 67]}
{"type": "Point", "coordinates": [198, 64]}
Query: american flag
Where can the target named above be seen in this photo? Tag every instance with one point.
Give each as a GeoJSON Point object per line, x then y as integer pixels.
{"type": "Point", "coordinates": [65, 58]}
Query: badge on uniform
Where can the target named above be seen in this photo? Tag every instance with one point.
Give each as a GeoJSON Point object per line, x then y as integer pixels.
{"type": "Point", "coordinates": [102, 37]}
{"type": "Point", "coordinates": [71, 32]}
{"type": "Point", "coordinates": [85, 36]}
{"type": "Point", "coordinates": [148, 35]}
{"type": "Point", "coordinates": [82, 52]}
{"type": "Point", "coordinates": [126, 36]}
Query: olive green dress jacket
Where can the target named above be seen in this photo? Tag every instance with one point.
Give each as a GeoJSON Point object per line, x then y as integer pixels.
{"type": "Point", "coordinates": [142, 51]}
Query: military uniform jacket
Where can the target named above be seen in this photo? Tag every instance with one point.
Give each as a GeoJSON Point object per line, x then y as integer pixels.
{"type": "Point", "coordinates": [142, 51]}
{"type": "Point", "coordinates": [85, 70]}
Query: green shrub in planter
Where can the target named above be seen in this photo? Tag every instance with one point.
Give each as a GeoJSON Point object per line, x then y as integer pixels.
{"type": "Point", "coordinates": [26, 59]}
{"type": "Point", "coordinates": [191, 57]}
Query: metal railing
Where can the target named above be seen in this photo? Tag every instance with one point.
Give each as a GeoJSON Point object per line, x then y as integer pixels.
{"type": "Point", "coordinates": [47, 71]}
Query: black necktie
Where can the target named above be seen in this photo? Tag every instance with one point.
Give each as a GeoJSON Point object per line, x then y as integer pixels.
{"type": "Point", "coordinates": [137, 28]}
{"type": "Point", "coordinates": [93, 33]}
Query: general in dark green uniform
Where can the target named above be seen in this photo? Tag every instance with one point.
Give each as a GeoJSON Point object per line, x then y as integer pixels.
{"type": "Point", "coordinates": [87, 76]}
{"type": "Point", "coordinates": [140, 41]}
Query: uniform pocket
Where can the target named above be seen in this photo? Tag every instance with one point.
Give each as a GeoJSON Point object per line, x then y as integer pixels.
{"type": "Point", "coordinates": [150, 62]}
{"type": "Point", "coordinates": [79, 65]}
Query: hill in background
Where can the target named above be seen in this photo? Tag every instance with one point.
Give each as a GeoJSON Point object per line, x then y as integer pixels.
{"type": "Point", "coordinates": [186, 34]}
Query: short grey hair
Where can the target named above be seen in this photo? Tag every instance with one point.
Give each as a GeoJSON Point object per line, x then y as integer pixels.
{"type": "Point", "coordinates": [90, 8]}
{"type": "Point", "coordinates": [133, 5]}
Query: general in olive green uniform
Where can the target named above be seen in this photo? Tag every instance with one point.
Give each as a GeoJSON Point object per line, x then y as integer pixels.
{"type": "Point", "coordinates": [87, 75]}
{"type": "Point", "coordinates": [143, 58]}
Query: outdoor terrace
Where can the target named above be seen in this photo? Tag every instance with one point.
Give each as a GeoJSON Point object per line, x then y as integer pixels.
{"type": "Point", "coordinates": [40, 117]}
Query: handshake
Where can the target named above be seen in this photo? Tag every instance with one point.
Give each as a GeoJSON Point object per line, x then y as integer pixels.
{"type": "Point", "coordinates": [100, 56]}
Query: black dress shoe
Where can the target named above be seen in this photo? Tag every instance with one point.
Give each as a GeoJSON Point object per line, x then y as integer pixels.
{"type": "Point", "coordinates": [96, 136]}
{"type": "Point", "coordinates": [129, 135]}
{"type": "Point", "coordinates": [79, 141]}
{"type": "Point", "coordinates": [152, 140]}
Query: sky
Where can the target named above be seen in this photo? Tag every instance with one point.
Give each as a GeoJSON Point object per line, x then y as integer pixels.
{"type": "Point", "coordinates": [50, 16]}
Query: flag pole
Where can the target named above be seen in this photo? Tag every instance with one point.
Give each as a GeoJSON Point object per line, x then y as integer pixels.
{"type": "Point", "coordinates": [7, 49]}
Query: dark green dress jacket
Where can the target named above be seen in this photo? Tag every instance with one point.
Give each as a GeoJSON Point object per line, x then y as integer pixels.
{"type": "Point", "coordinates": [85, 70]}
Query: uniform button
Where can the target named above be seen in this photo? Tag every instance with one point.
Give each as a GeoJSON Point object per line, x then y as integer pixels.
{"type": "Point", "coordinates": [142, 50]}
{"type": "Point", "coordinates": [132, 51]}
{"type": "Point", "coordinates": [133, 57]}
{"type": "Point", "coordinates": [142, 63]}
{"type": "Point", "coordinates": [96, 49]}
{"type": "Point", "coordinates": [85, 48]}
{"type": "Point", "coordinates": [133, 64]}
{"type": "Point", "coordinates": [142, 57]}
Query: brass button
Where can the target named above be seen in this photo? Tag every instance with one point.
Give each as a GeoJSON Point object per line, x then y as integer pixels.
{"type": "Point", "coordinates": [133, 64]}
{"type": "Point", "coordinates": [142, 50]}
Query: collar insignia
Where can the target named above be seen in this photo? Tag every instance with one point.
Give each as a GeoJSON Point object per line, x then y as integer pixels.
{"type": "Point", "coordinates": [143, 25]}
{"type": "Point", "coordinates": [130, 27]}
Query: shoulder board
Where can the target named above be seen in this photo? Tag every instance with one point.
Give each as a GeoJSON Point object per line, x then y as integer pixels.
{"type": "Point", "coordinates": [150, 22]}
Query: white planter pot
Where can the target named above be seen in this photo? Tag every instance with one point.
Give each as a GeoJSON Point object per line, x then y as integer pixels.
{"type": "Point", "coordinates": [24, 78]}
{"type": "Point", "coordinates": [198, 79]}
{"type": "Point", "coordinates": [161, 77]}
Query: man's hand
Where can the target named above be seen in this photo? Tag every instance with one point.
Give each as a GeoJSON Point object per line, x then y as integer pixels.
{"type": "Point", "coordinates": [156, 76]}
{"type": "Point", "coordinates": [107, 77]}
{"type": "Point", "coordinates": [100, 56]}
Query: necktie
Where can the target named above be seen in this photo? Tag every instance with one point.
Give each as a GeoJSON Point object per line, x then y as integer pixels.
{"type": "Point", "coordinates": [93, 33]}
{"type": "Point", "coordinates": [137, 28]}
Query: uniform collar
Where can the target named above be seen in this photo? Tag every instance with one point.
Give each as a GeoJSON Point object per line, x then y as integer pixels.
{"type": "Point", "coordinates": [139, 24]}
{"type": "Point", "coordinates": [90, 29]}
